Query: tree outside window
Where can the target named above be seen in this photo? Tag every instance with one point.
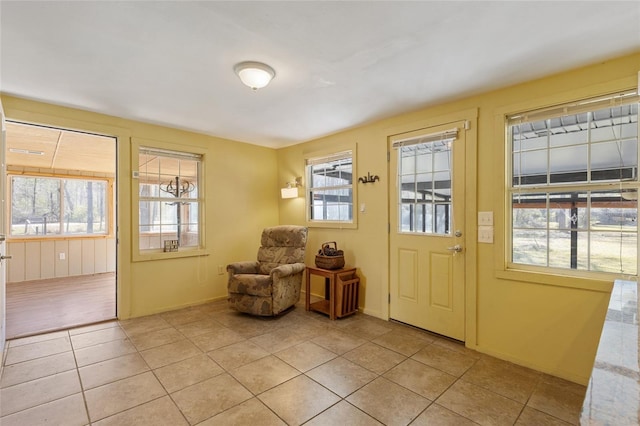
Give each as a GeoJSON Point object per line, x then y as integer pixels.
{"type": "Point", "coordinates": [43, 206]}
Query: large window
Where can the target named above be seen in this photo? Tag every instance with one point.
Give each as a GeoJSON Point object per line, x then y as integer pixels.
{"type": "Point", "coordinates": [169, 199]}
{"type": "Point", "coordinates": [43, 206]}
{"type": "Point", "coordinates": [330, 193]}
{"type": "Point", "coordinates": [573, 188]}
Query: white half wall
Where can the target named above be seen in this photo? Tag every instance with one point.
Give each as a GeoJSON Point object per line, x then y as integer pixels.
{"type": "Point", "coordinates": [39, 260]}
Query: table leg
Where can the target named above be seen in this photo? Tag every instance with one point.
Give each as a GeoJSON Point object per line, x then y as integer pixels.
{"type": "Point", "coordinates": [332, 297]}
{"type": "Point", "coordinates": [307, 293]}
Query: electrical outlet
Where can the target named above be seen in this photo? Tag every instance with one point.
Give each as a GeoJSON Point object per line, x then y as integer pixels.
{"type": "Point", "coordinates": [220, 270]}
{"type": "Point", "coordinates": [485, 218]}
{"type": "Point", "coordinates": [485, 234]}
{"type": "Point", "coordinates": [61, 256]}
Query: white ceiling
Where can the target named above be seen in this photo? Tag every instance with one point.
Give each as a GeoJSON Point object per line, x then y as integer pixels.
{"type": "Point", "coordinates": [338, 64]}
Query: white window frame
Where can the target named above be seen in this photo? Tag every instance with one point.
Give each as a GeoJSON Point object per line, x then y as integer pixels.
{"type": "Point", "coordinates": [317, 158]}
{"type": "Point", "coordinates": [61, 179]}
{"type": "Point", "coordinates": [141, 253]}
{"type": "Point", "coordinates": [552, 188]}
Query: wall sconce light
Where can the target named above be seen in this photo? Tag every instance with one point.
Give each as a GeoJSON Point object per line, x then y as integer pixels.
{"type": "Point", "coordinates": [291, 191]}
{"type": "Point", "coordinates": [254, 74]}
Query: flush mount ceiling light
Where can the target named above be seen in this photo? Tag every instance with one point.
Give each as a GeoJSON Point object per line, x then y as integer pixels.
{"type": "Point", "coordinates": [254, 74]}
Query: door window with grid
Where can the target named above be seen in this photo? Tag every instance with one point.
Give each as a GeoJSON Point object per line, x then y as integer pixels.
{"type": "Point", "coordinates": [424, 179]}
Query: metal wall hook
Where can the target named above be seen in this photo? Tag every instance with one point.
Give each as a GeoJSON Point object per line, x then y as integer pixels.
{"type": "Point", "coordinates": [368, 178]}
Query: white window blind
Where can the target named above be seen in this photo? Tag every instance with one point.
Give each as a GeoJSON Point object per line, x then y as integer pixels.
{"type": "Point", "coordinates": [447, 135]}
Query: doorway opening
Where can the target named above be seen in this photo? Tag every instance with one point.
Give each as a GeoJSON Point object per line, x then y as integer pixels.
{"type": "Point", "coordinates": [61, 228]}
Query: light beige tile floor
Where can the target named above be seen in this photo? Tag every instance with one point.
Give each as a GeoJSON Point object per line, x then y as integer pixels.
{"type": "Point", "coordinates": [208, 365]}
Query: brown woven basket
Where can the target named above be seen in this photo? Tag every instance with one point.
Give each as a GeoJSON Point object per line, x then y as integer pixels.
{"type": "Point", "coordinates": [330, 257]}
{"type": "Point", "coordinates": [329, 262]}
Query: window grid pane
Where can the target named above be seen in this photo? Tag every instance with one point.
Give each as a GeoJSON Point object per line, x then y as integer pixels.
{"type": "Point", "coordinates": [586, 228]}
{"type": "Point", "coordinates": [424, 193]}
{"type": "Point", "coordinates": [601, 224]}
{"type": "Point", "coordinates": [51, 206]}
{"type": "Point", "coordinates": [165, 177]}
{"type": "Point", "coordinates": [330, 189]}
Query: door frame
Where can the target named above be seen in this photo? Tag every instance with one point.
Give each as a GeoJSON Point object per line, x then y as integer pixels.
{"type": "Point", "coordinates": [72, 125]}
{"type": "Point", "coordinates": [470, 116]}
{"type": "Point", "coordinates": [3, 269]}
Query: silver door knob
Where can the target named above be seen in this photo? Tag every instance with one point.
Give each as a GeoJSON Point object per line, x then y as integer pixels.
{"type": "Point", "coordinates": [457, 248]}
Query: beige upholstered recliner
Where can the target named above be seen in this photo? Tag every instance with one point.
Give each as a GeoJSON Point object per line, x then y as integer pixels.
{"type": "Point", "coordinates": [271, 284]}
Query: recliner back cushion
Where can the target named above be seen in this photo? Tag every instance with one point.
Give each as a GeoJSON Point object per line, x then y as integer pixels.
{"type": "Point", "coordinates": [281, 245]}
{"type": "Point", "coordinates": [270, 257]}
{"type": "Point", "coordinates": [284, 236]}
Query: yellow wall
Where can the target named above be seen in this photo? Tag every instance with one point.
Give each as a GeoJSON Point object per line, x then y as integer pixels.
{"type": "Point", "coordinates": [546, 322]}
{"type": "Point", "coordinates": [241, 199]}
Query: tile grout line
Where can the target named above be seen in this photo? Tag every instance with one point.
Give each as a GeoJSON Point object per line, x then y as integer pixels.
{"type": "Point", "coordinates": [82, 390]}
{"type": "Point", "coordinates": [39, 378]}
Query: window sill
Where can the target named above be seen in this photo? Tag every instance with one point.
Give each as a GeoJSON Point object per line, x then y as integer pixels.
{"type": "Point", "coordinates": [162, 255]}
{"type": "Point", "coordinates": [35, 238]}
{"type": "Point", "coordinates": [332, 224]}
{"type": "Point", "coordinates": [599, 282]}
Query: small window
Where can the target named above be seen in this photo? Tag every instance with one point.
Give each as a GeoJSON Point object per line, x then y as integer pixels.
{"type": "Point", "coordinates": [573, 188]}
{"type": "Point", "coordinates": [43, 206]}
{"type": "Point", "coordinates": [169, 199]}
{"type": "Point", "coordinates": [330, 195]}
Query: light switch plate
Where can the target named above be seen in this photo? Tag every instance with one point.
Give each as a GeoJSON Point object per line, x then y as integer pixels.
{"type": "Point", "coordinates": [485, 234]}
{"type": "Point", "coordinates": [485, 218]}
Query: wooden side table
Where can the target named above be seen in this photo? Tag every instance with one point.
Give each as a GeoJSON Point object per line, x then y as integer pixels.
{"type": "Point", "coordinates": [343, 292]}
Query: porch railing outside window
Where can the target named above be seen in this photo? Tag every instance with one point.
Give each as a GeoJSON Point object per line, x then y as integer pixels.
{"type": "Point", "coordinates": [573, 188]}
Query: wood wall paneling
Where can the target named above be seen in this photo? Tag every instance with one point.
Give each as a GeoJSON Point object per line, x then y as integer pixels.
{"type": "Point", "coordinates": [62, 265]}
{"type": "Point", "coordinates": [15, 267]}
{"type": "Point", "coordinates": [88, 257]}
{"type": "Point", "coordinates": [32, 261]}
{"type": "Point", "coordinates": [111, 254]}
{"type": "Point", "coordinates": [100, 256]}
{"type": "Point", "coordinates": [39, 260]}
{"type": "Point", "coordinates": [47, 260]}
{"type": "Point", "coordinates": [75, 257]}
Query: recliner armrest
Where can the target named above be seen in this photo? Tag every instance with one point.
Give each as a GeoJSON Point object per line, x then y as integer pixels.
{"type": "Point", "coordinates": [287, 270]}
{"type": "Point", "coordinates": [245, 267]}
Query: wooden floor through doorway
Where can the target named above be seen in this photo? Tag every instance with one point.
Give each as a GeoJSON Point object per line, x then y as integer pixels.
{"type": "Point", "coordinates": [35, 307]}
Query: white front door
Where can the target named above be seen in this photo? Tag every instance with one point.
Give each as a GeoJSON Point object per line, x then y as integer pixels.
{"type": "Point", "coordinates": [427, 235]}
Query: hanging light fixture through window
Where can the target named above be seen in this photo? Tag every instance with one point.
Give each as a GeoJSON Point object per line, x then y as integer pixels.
{"type": "Point", "coordinates": [256, 75]}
